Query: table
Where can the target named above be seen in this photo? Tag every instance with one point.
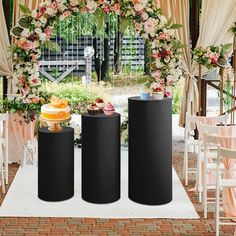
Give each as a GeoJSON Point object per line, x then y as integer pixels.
{"type": "Point", "coordinates": [150, 151]}
{"type": "Point", "coordinates": [101, 158]}
{"type": "Point", "coordinates": [56, 164]}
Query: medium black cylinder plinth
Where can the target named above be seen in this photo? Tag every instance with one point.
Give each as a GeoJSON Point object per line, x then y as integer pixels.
{"type": "Point", "coordinates": [150, 151]}
{"type": "Point", "coordinates": [101, 158]}
{"type": "Point", "coordinates": [56, 164]}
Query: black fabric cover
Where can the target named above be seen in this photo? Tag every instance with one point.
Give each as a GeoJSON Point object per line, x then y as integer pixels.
{"type": "Point", "coordinates": [101, 158]}
{"type": "Point", "coordinates": [150, 151]}
{"type": "Point", "coordinates": [56, 164]}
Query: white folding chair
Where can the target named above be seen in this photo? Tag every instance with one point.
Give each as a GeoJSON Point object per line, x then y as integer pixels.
{"type": "Point", "coordinates": [192, 122]}
{"type": "Point", "coordinates": [223, 183]}
{"type": "Point", "coordinates": [4, 149]}
{"type": "Point", "coordinates": [189, 141]}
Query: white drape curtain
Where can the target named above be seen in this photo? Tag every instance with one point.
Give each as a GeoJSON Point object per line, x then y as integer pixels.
{"type": "Point", "coordinates": [217, 17]}
{"type": "Point", "coordinates": [31, 4]}
{"type": "Point", "coordinates": [179, 10]}
{"type": "Point", "coordinates": [5, 56]}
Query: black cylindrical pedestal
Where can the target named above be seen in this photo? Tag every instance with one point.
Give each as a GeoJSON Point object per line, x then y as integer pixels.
{"type": "Point", "coordinates": [56, 164]}
{"type": "Point", "coordinates": [150, 151]}
{"type": "Point", "coordinates": [101, 158]}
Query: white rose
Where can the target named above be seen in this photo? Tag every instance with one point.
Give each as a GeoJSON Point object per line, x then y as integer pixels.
{"type": "Point", "coordinates": [43, 20]}
{"type": "Point", "coordinates": [158, 63]}
{"type": "Point", "coordinates": [34, 13]}
{"type": "Point", "coordinates": [43, 37]}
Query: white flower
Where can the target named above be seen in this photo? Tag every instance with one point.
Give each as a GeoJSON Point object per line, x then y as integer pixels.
{"type": "Point", "coordinates": [163, 20]}
{"type": "Point", "coordinates": [91, 5]}
{"type": "Point", "coordinates": [34, 13]}
{"type": "Point", "coordinates": [25, 33]}
{"type": "Point", "coordinates": [43, 20]}
{"type": "Point", "coordinates": [43, 37]}
{"type": "Point", "coordinates": [158, 63]}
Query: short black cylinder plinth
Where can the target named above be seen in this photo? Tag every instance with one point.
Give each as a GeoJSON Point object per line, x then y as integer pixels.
{"type": "Point", "coordinates": [56, 164]}
{"type": "Point", "coordinates": [101, 158]}
{"type": "Point", "coordinates": [150, 151]}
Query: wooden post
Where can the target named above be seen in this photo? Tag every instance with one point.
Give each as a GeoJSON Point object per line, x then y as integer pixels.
{"type": "Point", "coordinates": [200, 90]}
{"type": "Point", "coordinates": [222, 72]}
{"type": "Point", "coordinates": [194, 22]}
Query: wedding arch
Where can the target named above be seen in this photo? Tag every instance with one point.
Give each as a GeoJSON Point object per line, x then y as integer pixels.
{"type": "Point", "coordinates": [35, 29]}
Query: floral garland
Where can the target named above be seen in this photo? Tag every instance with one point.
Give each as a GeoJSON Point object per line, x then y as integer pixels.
{"type": "Point", "coordinates": [212, 56]}
{"type": "Point", "coordinates": [35, 29]}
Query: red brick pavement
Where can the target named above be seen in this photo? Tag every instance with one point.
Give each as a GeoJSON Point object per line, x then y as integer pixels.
{"type": "Point", "coordinates": [102, 227]}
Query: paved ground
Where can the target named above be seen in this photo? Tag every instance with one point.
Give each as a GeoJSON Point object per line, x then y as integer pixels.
{"type": "Point", "coordinates": [135, 227]}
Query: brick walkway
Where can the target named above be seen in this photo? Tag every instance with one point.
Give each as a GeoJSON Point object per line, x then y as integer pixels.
{"type": "Point", "coordinates": [78, 226]}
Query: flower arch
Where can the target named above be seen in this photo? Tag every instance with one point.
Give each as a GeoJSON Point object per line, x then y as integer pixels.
{"type": "Point", "coordinates": [35, 29]}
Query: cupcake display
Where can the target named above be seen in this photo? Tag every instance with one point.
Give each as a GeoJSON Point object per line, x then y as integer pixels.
{"type": "Point", "coordinates": [109, 109]}
{"type": "Point", "coordinates": [100, 103]}
{"type": "Point", "coordinates": [93, 109]}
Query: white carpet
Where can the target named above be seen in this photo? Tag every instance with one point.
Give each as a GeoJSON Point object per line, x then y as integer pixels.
{"type": "Point", "coordinates": [22, 200]}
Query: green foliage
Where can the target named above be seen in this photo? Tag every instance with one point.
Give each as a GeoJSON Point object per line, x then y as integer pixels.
{"type": "Point", "coordinates": [25, 10]}
{"type": "Point", "coordinates": [16, 31]}
{"type": "Point", "coordinates": [52, 46]}
{"type": "Point", "coordinates": [25, 22]}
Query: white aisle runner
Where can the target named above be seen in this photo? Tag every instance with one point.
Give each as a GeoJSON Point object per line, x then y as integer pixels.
{"type": "Point", "coordinates": [22, 200]}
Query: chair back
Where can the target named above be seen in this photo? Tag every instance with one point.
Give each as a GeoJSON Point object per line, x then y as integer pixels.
{"type": "Point", "coordinates": [3, 124]}
{"type": "Point", "coordinates": [226, 153]}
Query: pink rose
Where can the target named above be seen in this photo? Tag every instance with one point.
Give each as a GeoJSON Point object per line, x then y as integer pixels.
{"type": "Point", "coordinates": [66, 13]}
{"type": "Point", "coordinates": [54, 5]}
{"type": "Point", "coordinates": [164, 36]}
{"type": "Point", "coordinates": [35, 100]}
{"type": "Point", "coordinates": [27, 45]}
{"type": "Point", "coordinates": [48, 33]}
{"type": "Point", "coordinates": [156, 74]}
{"type": "Point", "coordinates": [21, 81]}
{"type": "Point", "coordinates": [106, 9]}
{"type": "Point", "coordinates": [26, 89]}
{"type": "Point", "coordinates": [33, 57]}
{"type": "Point", "coordinates": [42, 9]}
{"type": "Point", "coordinates": [214, 58]}
{"type": "Point", "coordinates": [116, 8]}
{"type": "Point", "coordinates": [150, 25]}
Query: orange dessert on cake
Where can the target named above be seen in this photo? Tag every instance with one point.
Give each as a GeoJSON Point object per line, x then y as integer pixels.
{"type": "Point", "coordinates": [57, 109]}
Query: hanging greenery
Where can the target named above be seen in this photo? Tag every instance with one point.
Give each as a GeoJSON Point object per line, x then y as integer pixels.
{"type": "Point", "coordinates": [35, 28]}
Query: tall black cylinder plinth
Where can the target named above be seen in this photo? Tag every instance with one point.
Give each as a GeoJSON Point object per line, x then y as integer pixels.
{"type": "Point", "coordinates": [56, 164]}
{"type": "Point", "coordinates": [150, 151]}
{"type": "Point", "coordinates": [101, 158]}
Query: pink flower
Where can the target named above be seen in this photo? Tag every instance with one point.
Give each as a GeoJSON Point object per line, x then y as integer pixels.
{"type": "Point", "coordinates": [42, 9]}
{"type": "Point", "coordinates": [21, 81]}
{"type": "Point", "coordinates": [33, 57]}
{"type": "Point", "coordinates": [164, 36]}
{"type": "Point", "coordinates": [116, 8]}
{"type": "Point", "coordinates": [27, 45]}
{"type": "Point", "coordinates": [66, 13]}
{"type": "Point", "coordinates": [54, 5]}
{"type": "Point", "coordinates": [35, 100]}
{"type": "Point", "coordinates": [34, 81]}
{"type": "Point", "coordinates": [150, 25]}
{"type": "Point", "coordinates": [214, 58]}
{"type": "Point", "coordinates": [48, 33]}
{"type": "Point", "coordinates": [26, 89]}
{"type": "Point", "coordinates": [144, 16]}
{"type": "Point", "coordinates": [156, 74]}
{"type": "Point", "coordinates": [106, 9]}
{"type": "Point", "coordinates": [137, 26]}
